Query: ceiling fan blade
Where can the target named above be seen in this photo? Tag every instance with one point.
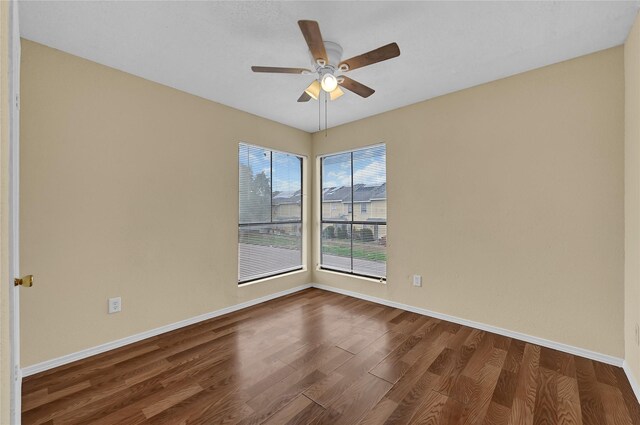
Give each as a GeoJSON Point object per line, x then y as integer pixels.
{"type": "Point", "coordinates": [356, 87]}
{"type": "Point", "coordinates": [378, 55]}
{"type": "Point", "coordinates": [311, 32]}
{"type": "Point", "coordinates": [279, 70]}
{"type": "Point", "coordinates": [304, 97]}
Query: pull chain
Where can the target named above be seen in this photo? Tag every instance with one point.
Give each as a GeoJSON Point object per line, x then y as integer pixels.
{"type": "Point", "coordinates": [319, 119]}
{"type": "Point", "coordinates": [325, 114]}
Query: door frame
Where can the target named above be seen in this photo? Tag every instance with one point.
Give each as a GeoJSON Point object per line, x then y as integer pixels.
{"type": "Point", "coordinates": [14, 212]}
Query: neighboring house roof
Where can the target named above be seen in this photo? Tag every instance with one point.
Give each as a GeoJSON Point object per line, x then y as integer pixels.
{"type": "Point", "coordinates": [286, 197]}
{"type": "Point", "coordinates": [361, 193]}
{"type": "Point", "coordinates": [336, 194]}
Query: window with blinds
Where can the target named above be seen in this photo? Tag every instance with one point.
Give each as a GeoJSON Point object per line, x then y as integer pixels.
{"type": "Point", "coordinates": [270, 202]}
{"type": "Point", "coordinates": [354, 240]}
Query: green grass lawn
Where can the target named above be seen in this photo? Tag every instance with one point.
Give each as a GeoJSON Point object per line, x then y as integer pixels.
{"type": "Point", "coordinates": [278, 241]}
{"type": "Point", "coordinates": [371, 252]}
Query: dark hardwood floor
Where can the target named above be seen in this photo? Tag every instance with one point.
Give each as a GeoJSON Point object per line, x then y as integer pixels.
{"type": "Point", "coordinates": [317, 357]}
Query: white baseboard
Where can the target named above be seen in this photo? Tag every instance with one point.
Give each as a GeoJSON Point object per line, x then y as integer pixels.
{"type": "Point", "coordinates": [60, 361]}
{"type": "Point", "coordinates": [632, 379]}
{"type": "Point", "coordinates": [604, 358]}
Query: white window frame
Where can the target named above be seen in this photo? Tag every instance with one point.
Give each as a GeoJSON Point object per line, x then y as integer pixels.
{"type": "Point", "coordinates": [303, 221]}
{"type": "Point", "coordinates": [319, 265]}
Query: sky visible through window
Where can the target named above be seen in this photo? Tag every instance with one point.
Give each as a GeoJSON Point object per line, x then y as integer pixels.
{"type": "Point", "coordinates": [286, 167]}
{"type": "Point", "coordinates": [369, 168]}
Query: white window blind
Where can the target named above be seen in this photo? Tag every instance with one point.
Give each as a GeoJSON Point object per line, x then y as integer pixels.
{"type": "Point", "coordinates": [354, 240]}
{"type": "Point", "coordinates": [270, 203]}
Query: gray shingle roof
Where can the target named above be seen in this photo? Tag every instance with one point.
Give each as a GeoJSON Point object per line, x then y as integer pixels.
{"type": "Point", "coordinates": [336, 193]}
{"type": "Point", "coordinates": [361, 193]}
{"type": "Point", "coordinates": [288, 197]}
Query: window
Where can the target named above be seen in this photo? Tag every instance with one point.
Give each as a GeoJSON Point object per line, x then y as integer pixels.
{"type": "Point", "coordinates": [355, 245]}
{"type": "Point", "coordinates": [270, 201]}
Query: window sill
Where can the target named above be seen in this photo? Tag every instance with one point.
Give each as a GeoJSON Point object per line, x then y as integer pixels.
{"type": "Point", "coordinates": [269, 278]}
{"type": "Point", "coordinates": [353, 276]}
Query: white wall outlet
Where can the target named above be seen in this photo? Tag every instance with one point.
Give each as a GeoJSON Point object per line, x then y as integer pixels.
{"type": "Point", "coordinates": [637, 334]}
{"type": "Point", "coordinates": [417, 280]}
{"type": "Point", "coordinates": [115, 305]}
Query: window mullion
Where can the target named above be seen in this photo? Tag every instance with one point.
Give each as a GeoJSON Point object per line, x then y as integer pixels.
{"type": "Point", "coordinates": [352, 212]}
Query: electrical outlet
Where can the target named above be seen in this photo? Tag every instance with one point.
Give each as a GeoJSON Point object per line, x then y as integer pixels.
{"type": "Point", "coordinates": [637, 334]}
{"type": "Point", "coordinates": [417, 280]}
{"type": "Point", "coordinates": [115, 305]}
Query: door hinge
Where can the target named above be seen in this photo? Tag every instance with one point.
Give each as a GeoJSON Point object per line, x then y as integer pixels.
{"type": "Point", "coordinates": [18, 102]}
{"type": "Point", "coordinates": [25, 281]}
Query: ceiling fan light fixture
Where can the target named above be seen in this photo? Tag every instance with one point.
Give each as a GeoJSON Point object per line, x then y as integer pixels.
{"type": "Point", "coordinates": [336, 93]}
{"type": "Point", "coordinates": [329, 83]}
{"type": "Point", "coordinates": [313, 90]}
{"type": "Point", "coordinates": [326, 61]}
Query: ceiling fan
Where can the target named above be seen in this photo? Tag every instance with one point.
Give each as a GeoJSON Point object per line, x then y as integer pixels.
{"type": "Point", "coordinates": [327, 62]}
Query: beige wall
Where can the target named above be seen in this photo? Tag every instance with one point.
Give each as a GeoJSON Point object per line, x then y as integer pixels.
{"type": "Point", "coordinates": [128, 188]}
{"type": "Point", "coordinates": [508, 199]}
{"type": "Point", "coordinates": [5, 353]}
{"type": "Point", "coordinates": [632, 198]}
{"type": "Point", "coordinates": [286, 210]}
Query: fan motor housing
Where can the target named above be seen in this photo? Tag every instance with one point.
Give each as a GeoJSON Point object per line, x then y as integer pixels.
{"type": "Point", "coordinates": [334, 55]}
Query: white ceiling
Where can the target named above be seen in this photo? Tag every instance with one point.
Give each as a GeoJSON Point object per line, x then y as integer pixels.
{"type": "Point", "coordinates": [207, 48]}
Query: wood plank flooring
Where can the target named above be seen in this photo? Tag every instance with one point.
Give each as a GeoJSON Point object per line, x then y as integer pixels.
{"type": "Point", "coordinates": [317, 358]}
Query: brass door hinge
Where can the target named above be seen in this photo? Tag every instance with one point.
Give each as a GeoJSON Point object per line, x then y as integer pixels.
{"type": "Point", "coordinates": [25, 281]}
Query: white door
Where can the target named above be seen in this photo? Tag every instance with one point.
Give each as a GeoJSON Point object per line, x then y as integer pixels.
{"type": "Point", "coordinates": [14, 203]}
